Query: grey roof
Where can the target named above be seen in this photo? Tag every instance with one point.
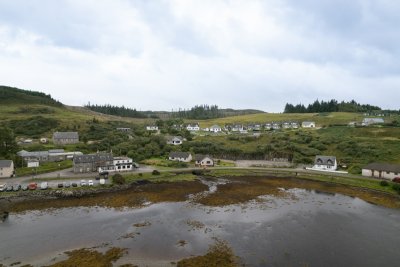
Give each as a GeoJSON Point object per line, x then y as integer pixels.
{"type": "Point", "coordinates": [56, 151]}
{"type": "Point", "coordinates": [200, 157]}
{"type": "Point", "coordinates": [307, 122]}
{"type": "Point", "coordinates": [383, 167]}
{"type": "Point", "coordinates": [65, 135]}
{"type": "Point", "coordinates": [171, 138]}
{"type": "Point", "coordinates": [325, 160]}
{"type": "Point", "coordinates": [24, 153]}
{"type": "Point", "coordinates": [5, 163]}
{"type": "Point", "coordinates": [179, 154]}
{"type": "Point", "coordinates": [93, 158]}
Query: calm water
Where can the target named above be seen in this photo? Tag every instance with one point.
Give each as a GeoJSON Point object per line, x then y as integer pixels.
{"type": "Point", "coordinates": [306, 229]}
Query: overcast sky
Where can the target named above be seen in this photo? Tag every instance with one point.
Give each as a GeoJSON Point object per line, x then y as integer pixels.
{"type": "Point", "coordinates": [162, 55]}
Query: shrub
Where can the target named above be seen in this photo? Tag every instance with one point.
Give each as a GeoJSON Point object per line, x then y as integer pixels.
{"type": "Point", "coordinates": [355, 169]}
{"type": "Point", "coordinates": [155, 172]}
{"type": "Point", "coordinates": [197, 172]}
{"type": "Point", "coordinates": [384, 183]}
{"type": "Point", "coordinates": [118, 179]}
{"type": "Point", "coordinates": [396, 187]}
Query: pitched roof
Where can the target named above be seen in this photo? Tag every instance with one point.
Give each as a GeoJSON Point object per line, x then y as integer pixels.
{"type": "Point", "coordinates": [24, 153]}
{"type": "Point", "coordinates": [65, 135]}
{"type": "Point", "coordinates": [383, 167]}
{"type": "Point", "coordinates": [215, 126]}
{"type": "Point", "coordinates": [93, 158]}
{"type": "Point", "coordinates": [325, 160]}
{"type": "Point", "coordinates": [179, 154]}
{"type": "Point", "coordinates": [5, 163]}
{"type": "Point", "coordinates": [171, 138]}
{"type": "Point", "coordinates": [56, 151]}
{"type": "Point", "coordinates": [200, 157]}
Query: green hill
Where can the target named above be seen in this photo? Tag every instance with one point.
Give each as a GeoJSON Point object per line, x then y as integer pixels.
{"type": "Point", "coordinates": [11, 95]}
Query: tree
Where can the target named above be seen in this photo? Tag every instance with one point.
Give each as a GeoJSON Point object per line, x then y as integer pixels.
{"type": "Point", "coordinates": [8, 146]}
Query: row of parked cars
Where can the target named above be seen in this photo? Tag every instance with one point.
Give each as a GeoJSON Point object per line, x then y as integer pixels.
{"type": "Point", "coordinates": [45, 185]}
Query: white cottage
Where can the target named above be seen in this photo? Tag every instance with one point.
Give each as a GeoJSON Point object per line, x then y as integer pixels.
{"type": "Point", "coordinates": [325, 163]}
{"type": "Point", "coordinates": [180, 156]}
{"type": "Point", "coordinates": [215, 129]}
{"type": "Point", "coordinates": [204, 161]}
{"type": "Point", "coordinates": [308, 124]}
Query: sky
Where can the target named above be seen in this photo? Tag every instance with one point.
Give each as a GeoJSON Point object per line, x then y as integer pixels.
{"type": "Point", "coordinates": [165, 55]}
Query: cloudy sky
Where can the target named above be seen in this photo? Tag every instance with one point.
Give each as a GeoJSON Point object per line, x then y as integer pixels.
{"type": "Point", "coordinates": [162, 55]}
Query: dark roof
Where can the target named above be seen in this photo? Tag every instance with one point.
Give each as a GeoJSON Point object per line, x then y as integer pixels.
{"type": "Point", "coordinates": [325, 160]}
{"type": "Point", "coordinates": [5, 163]}
{"type": "Point", "coordinates": [65, 135]}
{"type": "Point", "coordinates": [93, 158]}
{"type": "Point", "coordinates": [383, 167]}
{"type": "Point", "coordinates": [178, 154]}
{"type": "Point", "coordinates": [200, 157]}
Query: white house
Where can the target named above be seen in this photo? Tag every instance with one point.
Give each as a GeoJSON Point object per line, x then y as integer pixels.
{"type": "Point", "coordinates": [180, 156]}
{"type": "Point", "coordinates": [381, 170]}
{"type": "Point", "coordinates": [123, 164]}
{"type": "Point", "coordinates": [6, 168]}
{"type": "Point", "coordinates": [152, 128]}
{"type": "Point", "coordinates": [294, 125]}
{"type": "Point", "coordinates": [370, 121]}
{"type": "Point", "coordinates": [308, 124]}
{"type": "Point", "coordinates": [215, 129]}
{"type": "Point", "coordinates": [175, 140]}
{"type": "Point", "coordinates": [193, 127]}
{"type": "Point", "coordinates": [32, 163]}
{"type": "Point", "coordinates": [325, 163]}
{"type": "Point", "coordinates": [204, 161]}
{"type": "Point", "coordinates": [276, 126]}
{"type": "Point", "coordinates": [237, 128]}
{"type": "Point", "coordinates": [268, 126]}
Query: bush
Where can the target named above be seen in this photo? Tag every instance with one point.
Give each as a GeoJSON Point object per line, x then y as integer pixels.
{"type": "Point", "coordinates": [155, 172]}
{"type": "Point", "coordinates": [118, 179]}
{"type": "Point", "coordinates": [197, 172]}
{"type": "Point", "coordinates": [396, 187]}
{"type": "Point", "coordinates": [355, 169]}
{"type": "Point", "coordinates": [384, 183]}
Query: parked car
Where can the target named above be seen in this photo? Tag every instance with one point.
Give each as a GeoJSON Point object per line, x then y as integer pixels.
{"type": "Point", "coordinates": [16, 187]}
{"type": "Point", "coordinates": [396, 179]}
{"type": "Point", "coordinates": [67, 184]}
{"type": "Point", "coordinates": [135, 165]}
{"type": "Point", "coordinates": [60, 185]}
{"type": "Point", "coordinates": [9, 188]}
{"type": "Point", "coordinates": [24, 187]}
{"type": "Point", "coordinates": [102, 181]}
{"type": "Point", "coordinates": [32, 186]}
{"type": "Point", "coordinates": [44, 185]}
{"type": "Point", "coordinates": [97, 178]}
{"type": "Point", "coordinates": [3, 187]}
{"type": "Point", "coordinates": [90, 183]}
{"type": "Point", "coordinates": [83, 182]}
{"type": "Point", "coordinates": [74, 185]}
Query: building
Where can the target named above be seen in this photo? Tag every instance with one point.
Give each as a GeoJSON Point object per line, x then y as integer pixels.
{"type": "Point", "coordinates": [371, 121]}
{"type": "Point", "coordinates": [215, 129]}
{"type": "Point", "coordinates": [308, 124]}
{"type": "Point", "coordinates": [193, 127]}
{"type": "Point", "coordinates": [237, 128]}
{"type": "Point", "coordinates": [268, 126]}
{"type": "Point", "coordinates": [180, 156]}
{"type": "Point", "coordinates": [276, 126]}
{"type": "Point", "coordinates": [65, 138]}
{"type": "Point", "coordinates": [93, 162]}
{"type": "Point", "coordinates": [381, 170]}
{"type": "Point", "coordinates": [325, 163]}
{"type": "Point", "coordinates": [204, 161]}
{"type": "Point", "coordinates": [32, 164]}
{"type": "Point", "coordinates": [6, 168]}
{"type": "Point", "coordinates": [175, 140]}
{"type": "Point", "coordinates": [294, 125]}
{"type": "Point", "coordinates": [152, 128]}
{"type": "Point", "coordinates": [46, 156]}
{"type": "Point", "coordinates": [122, 164]}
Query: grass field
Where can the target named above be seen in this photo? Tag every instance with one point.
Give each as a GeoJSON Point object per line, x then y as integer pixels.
{"type": "Point", "coordinates": [44, 168]}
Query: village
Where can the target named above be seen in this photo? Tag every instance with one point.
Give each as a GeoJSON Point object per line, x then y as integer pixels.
{"type": "Point", "coordinates": [100, 165]}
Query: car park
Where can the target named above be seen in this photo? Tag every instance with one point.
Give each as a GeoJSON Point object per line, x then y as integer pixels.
{"type": "Point", "coordinates": [24, 187]}
{"type": "Point", "coordinates": [90, 183]}
{"type": "Point", "coordinates": [44, 185]}
{"type": "Point", "coordinates": [32, 186]}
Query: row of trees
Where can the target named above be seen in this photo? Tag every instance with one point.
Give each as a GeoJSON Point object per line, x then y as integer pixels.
{"type": "Point", "coordinates": [199, 112]}
{"type": "Point", "coordinates": [330, 106]}
{"type": "Point", "coordinates": [117, 111]}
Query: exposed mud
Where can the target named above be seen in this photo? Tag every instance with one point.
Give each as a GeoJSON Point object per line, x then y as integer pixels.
{"type": "Point", "coordinates": [136, 196]}
{"type": "Point", "coordinates": [244, 189]}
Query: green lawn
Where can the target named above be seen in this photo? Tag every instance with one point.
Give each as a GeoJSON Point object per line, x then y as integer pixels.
{"type": "Point", "coordinates": [44, 168]}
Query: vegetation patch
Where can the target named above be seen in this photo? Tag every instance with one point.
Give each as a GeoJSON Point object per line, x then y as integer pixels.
{"type": "Point", "coordinates": [218, 255]}
{"type": "Point", "coordinates": [91, 258]}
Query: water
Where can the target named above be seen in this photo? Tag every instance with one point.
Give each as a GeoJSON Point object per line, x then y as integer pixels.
{"type": "Point", "coordinates": [306, 229]}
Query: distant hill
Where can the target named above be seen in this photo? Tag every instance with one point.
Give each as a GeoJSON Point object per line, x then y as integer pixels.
{"type": "Point", "coordinates": [12, 95]}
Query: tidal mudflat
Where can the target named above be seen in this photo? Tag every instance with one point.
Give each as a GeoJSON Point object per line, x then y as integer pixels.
{"type": "Point", "coordinates": [251, 221]}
